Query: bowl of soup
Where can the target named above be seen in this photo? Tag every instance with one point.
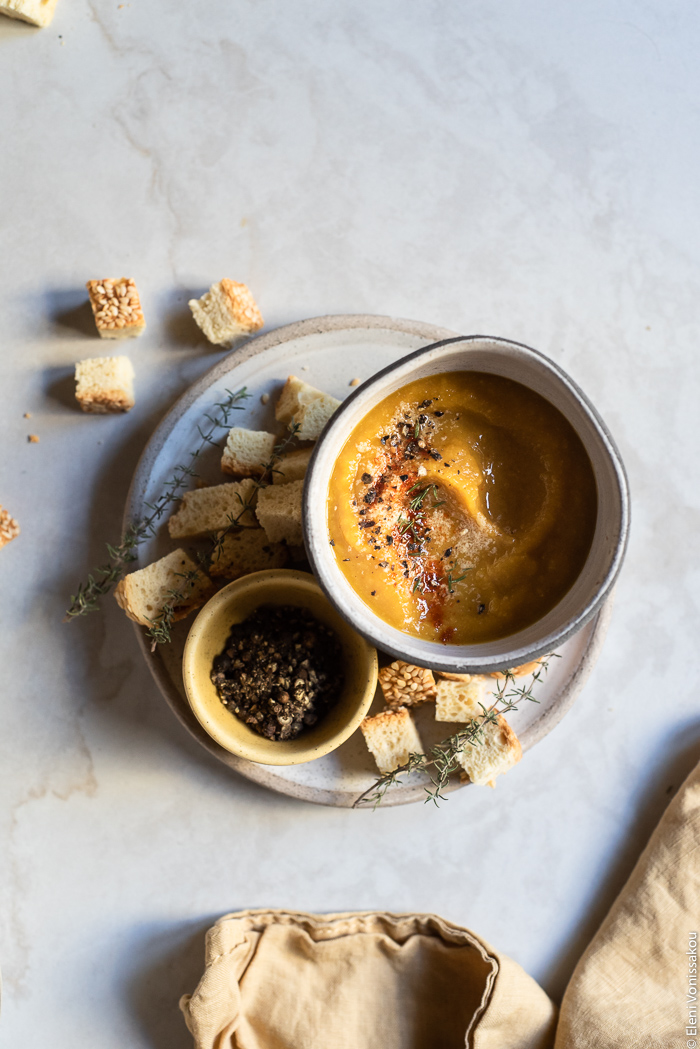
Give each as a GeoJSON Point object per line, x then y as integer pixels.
{"type": "Point", "coordinates": [466, 508]}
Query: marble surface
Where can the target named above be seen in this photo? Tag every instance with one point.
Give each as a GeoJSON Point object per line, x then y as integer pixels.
{"type": "Point", "coordinates": [519, 170]}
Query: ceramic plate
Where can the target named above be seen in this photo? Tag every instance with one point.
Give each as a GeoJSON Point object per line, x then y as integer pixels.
{"type": "Point", "coordinates": [328, 352]}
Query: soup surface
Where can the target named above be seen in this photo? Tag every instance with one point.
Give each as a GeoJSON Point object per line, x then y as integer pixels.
{"type": "Point", "coordinates": [462, 507]}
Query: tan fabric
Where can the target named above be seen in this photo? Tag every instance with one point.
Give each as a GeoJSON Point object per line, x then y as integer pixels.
{"type": "Point", "coordinates": [275, 980]}
{"type": "Point", "coordinates": [629, 988]}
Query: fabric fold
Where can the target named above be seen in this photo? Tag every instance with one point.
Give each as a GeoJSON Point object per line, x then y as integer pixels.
{"type": "Point", "coordinates": [631, 987]}
{"type": "Point", "coordinates": [286, 980]}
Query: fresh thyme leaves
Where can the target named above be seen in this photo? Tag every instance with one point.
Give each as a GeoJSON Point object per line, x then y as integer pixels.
{"type": "Point", "coordinates": [444, 758]}
{"type": "Point", "coordinates": [103, 579]}
{"type": "Point", "coordinates": [159, 631]}
{"type": "Point", "coordinates": [451, 580]}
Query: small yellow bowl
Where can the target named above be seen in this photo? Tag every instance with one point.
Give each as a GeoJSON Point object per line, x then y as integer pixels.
{"type": "Point", "coordinates": [208, 636]}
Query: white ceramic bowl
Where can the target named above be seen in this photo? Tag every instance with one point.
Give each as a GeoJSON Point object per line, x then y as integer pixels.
{"type": "Point", "coordinates": [524, 365]}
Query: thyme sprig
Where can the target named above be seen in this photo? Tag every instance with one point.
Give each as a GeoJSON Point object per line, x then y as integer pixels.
{"type": "Point", "coordinates": [160, 629]}
{"type": "Point", "coordinates": [103, 578]}
{"type": "Point", "coordinates": [444, 758]}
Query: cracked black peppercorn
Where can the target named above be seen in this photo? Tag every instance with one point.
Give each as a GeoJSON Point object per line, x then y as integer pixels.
{"type": "Point", "coordinates": [280, 672]}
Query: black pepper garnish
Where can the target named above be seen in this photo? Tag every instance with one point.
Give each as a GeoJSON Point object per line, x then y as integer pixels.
{"type": "Point", "coordinates": [370, 496]}
{"type": "Point", "coordinates": [373, 594]}
{"type": "Point", "coordinates": [436, 455]}
{"type": "Point", "coordinates": [367, 524]}
{"type": "Point", "coordinates": [425, 404]}
{"type": "Point", "coordinates": [447, 552]}
{"type": "Point", "coordinates": [366, 478]}
{"type": "Point", "coordinates": [438, 414]}
{"type": "Point", "coordinates": [332, 542]}
{"type": "Point", "coordinates": [281, 671]}
{"type": "Point", "coordinates": [389, 540]}
{"type": "Point", "coordinates": [403, 477]}
{"type": "Point", "coordinates": [480, 609]}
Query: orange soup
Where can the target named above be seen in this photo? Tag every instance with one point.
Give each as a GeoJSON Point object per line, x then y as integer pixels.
{"type": "Point", "coordinates": [462, 508]}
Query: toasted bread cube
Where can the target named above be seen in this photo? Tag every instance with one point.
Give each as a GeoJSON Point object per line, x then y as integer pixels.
{"type": "Point", "coordinates": [247, 452]}
{"type": "Point", "coordinates": [523, 670]}
{"type": "Point", "coordinates": [291, 466]}
{"type": "Point", "coordinates": [404, 685]}
{"type": "Point", "coordinates": [449, 676]}
{"type": "Point", "coordinates": [206, 510]}
{"type": "Point", "coordinates": [104, 385]}
{"type": "Point", "coordinates": [489, 756]}
{"type": "Point", "coordinates": [306, 407]}
{"type": "Point", "coordinates": [9, 528]}
{"type": "Point", "coordinates": [460, 700]}
{"type": "Point", "coordinates": [117, 307]}
{"type": "Point", "coordinates": [391, 738]}
{"type": "Point", "coordinates": [279, 512]}
{"type": "Point", "coordinates": [145, 593]}
{"type": "Point", "coordinates": [226, 311]}
{"type": "Point", "coordinates": [36, 12]}
{"type": "Point", "coordinates": [240, 553]}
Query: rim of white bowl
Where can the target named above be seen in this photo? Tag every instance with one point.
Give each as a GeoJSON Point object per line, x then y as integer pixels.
{"type": "Point", "coordinates": [541, 637]}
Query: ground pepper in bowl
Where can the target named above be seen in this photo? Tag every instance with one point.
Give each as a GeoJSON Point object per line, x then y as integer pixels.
{"type": "Point", "coordinates": [280, 672]}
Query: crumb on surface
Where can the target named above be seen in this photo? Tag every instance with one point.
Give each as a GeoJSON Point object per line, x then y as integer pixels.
{"type": "Point", "coordinates": [265, 398]}
{"type": "Point", "coordinates": [354, 382]}
{"type": "Point", "coordinates": [33, 438]}
{"type": "Point", "coordinates": [27, 415]}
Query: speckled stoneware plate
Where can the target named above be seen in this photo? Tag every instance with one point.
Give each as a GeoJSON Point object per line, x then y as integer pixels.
{"type": "Point", "coordinates": [328, 352]}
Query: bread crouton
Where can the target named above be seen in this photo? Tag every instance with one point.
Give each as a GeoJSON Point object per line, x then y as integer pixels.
{"type": "Point", "coordinates": [104, 385]}
{"type": "Point", "coordinates": [460, 700]}
{"type": "Point", "coordinates": [9, 528]}
{"type": "Point", "coordinates": [279, 512]}
{"type": "Point", "coordinates": [226, 311]}
{"type": "Point", "coordinates": [404, 685]}
{"type": "Point", "coordinates": [291, 466]}
{"type": "Point", "coordinates": [206, 510]}
{"type": "Point", "coordinates": [143, 594]}
{"type": "Point", "coordinates": [240, 553]}
{"type": "Point", "coordinates": [391, 738]}
{"type": "Point", "coordinates": [306, 407]}
{"type": "Point", "coordinates": [497, 751]}
{"type": "Point", "coordinates": [247, 451]}
{"type": "Point", "coordinates": [116, 307]}
{"type": "Point", "coordinates": [36, 12]}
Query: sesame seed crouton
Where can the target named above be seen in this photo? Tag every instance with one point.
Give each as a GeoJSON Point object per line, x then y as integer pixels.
{"type": "Point", "coordinates": [404, 685]}
{"type": "Point", "coordinates": [116, 307]}
{"type": "Point", "coordinates": [9, 528]}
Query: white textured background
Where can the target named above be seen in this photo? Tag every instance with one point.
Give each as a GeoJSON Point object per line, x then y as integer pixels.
{"type": "Point", "coordinates": [525, 170]}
